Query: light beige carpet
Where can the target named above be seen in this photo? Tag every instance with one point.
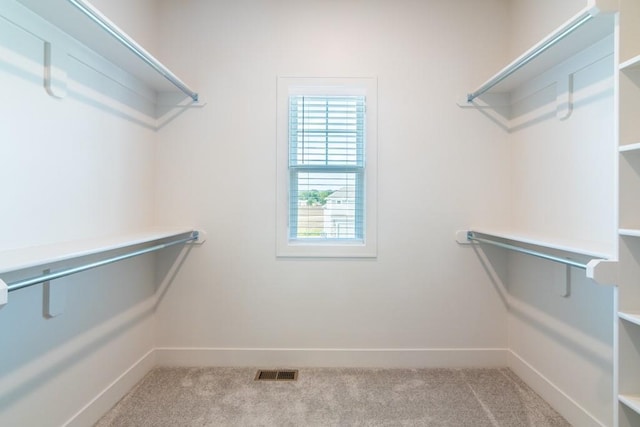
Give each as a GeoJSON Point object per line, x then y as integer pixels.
{"type": "Point", "coordinates": [333, 397]}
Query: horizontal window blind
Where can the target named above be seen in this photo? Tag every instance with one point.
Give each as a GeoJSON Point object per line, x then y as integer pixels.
{"type": "Point", "coordinates": [326, 131]}
{"type": "Point", "coordinates": [326, 167]}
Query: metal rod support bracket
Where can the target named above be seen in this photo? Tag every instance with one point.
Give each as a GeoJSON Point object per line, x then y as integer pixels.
{"type": "Point", "coordinates": [200, 236]}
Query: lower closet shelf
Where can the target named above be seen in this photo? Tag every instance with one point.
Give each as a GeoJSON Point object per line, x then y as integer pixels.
{"type": "Point", "coordinates": [597, 264]}
{"type": "Point", "coordinates": [630, 317]}
{"type": "Point", "coordinates": [583, 248]}
{"type": "Point", "coordinates": [631, 400]}
{"type": "Point", "coordinates": [48, 255]}
{"type": "Point", "coordinates": [632, 232]}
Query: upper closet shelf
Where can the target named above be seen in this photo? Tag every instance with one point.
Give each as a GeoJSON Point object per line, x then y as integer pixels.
{"type": "Point", "coordinates": [84, 22]}
{"type": "Point", "coordinates": [630, 148]}
{"type": "Point", "coordinates": [581, 31]}
{"type": "Point", "coordinates": [633, 63]}
{"type": "Point", "coordinates": [631, 232]}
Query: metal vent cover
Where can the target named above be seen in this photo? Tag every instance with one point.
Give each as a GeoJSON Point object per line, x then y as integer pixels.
{"type": "Point", "coordinates": [277, 375]}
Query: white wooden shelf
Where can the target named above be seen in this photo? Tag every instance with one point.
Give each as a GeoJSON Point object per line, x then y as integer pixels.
{"type": "Point", "coordinates": [631, 64]}
{"type": "Point", "coordinates": [630, 148]}
{"type": "Point", "coordinates": [18, 259]}
{"type": "Point", "coordinates": [585, 248]}
{"type": "Point", "coordinates": [632, 401]}
{"type": "Point", "coordinates": [632, 232]}
{"type": "Point", "coordinates": [580, 32]}
{"type": "Point", "coordinates": [600, 266]}
{"type": "Point", "coordinates": [69, 19]}
{"type": "Point", "coordinates": [627, 362]}
{"type": "Point", "coordinates": [629, 316]}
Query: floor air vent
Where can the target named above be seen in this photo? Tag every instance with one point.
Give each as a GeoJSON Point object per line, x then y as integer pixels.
{"type": "Point", "coordinates": [280, 375]}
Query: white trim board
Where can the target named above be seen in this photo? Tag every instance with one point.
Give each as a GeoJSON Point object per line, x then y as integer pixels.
{"type": "Point", "coordinates": [560, 401]}
{"type": "Point", "coordinates": [322, 357]}
{"type": "Point", "coordinates": [105, 400]}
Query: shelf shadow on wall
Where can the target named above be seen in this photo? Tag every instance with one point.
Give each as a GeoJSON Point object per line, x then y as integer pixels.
{"type": "Point", "coordinates": [543, 109]}
{"type": "Point", "coordinates": [493, 261]}
{"type": "Point", "coordinates": [554, 95]}
{"type": "Point", "coordinates": [168, 264]}
{"type": "Point", "coordinates": [571, 322]}
{"type": "Point", "coordinates": [570, 341]}
{"type": "Point", "coordinates": [84, 83]}
{"type": "Point", "coordinates": [132, 102]}
{"type": "Point", "coordinates": [499, 266]}
{"type": "Point", "coordinates": [18, 382]}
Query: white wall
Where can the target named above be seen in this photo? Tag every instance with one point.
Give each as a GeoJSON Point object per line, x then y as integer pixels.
{"type": "Point", "coordinates": [440, 169]}
{"type": "Point", "coordinates": [564, 186]}
{"type": "Point", "coordinates": [137, 18]}
{"type": "Point", "coordinates": [530, 21]}
{"type": "Point", "coordinates": [72, 168]}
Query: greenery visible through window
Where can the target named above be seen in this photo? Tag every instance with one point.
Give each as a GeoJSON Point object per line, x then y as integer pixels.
{"type": "Point", "coordinates": [326, 167]}
{"type": "Point", "coordinates": [315, 197]}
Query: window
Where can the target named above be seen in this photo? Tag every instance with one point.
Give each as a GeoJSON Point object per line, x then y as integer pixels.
{"type": "Point", "coordinates": [326, 167]}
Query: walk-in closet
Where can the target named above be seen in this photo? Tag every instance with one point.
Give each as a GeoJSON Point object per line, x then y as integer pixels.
{"type": "Point", "coordinates": [320, 212]}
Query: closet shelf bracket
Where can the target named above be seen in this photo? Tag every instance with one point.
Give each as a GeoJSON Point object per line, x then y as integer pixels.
{"type": "Point", "coordinates": [55, 80]}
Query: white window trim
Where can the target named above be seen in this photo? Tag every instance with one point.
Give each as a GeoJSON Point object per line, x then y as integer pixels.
{"type": "Point", "coordinates": [330, 248]}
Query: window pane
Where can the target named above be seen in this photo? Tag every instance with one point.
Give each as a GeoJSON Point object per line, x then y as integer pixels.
{"type": "Point", "coordinates": [326, 205]}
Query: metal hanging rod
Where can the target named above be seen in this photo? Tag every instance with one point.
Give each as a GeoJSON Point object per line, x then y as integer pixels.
{"type": "Point", "coordinates": [515, 66]}
{"type": "Point", "coordinates": [14, 286]}
{"type": "Point", "coordinates": [134, 47]}
{"type": "Point", "coordinates": [471, 236]}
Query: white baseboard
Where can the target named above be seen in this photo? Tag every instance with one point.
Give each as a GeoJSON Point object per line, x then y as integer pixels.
{"type": "Point", "coordinates": [575, 414]}
{"type": "Point", "coordinates": [104, 401]}
{"type": "Point", "coordinates": [320, 357]}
